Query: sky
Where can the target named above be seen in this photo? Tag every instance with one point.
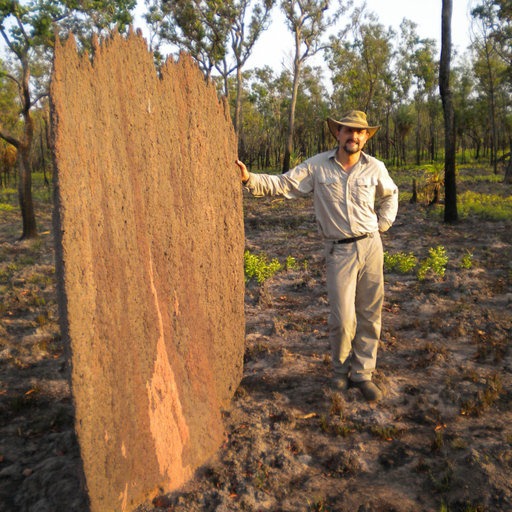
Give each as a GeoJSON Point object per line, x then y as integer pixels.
{"type": "Point", "coordinates": [273, 47]}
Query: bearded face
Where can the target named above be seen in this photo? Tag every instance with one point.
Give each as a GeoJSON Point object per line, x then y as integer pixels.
{"type": "Point", "coordinates": [352, 140]}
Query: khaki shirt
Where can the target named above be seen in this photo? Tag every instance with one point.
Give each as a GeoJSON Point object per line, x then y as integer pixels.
{"type": "Point", "coordinates": [365, 200]}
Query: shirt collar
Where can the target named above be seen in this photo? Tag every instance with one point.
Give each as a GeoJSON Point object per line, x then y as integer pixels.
{"type": "Point", "coordinates": [364, 158]}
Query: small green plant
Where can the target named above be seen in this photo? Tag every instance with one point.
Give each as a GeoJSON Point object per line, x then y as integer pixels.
{"type": "Point", "coordinates": [385, 433]}
{"type": "Point", "coordinates": [467, 260]}
{"type": "Point", "coordinates": [434, 180]}
{"type": "Point", "coordinates": [343, 430]}
{"type": "Point", "coordinates": [324, 424]}
{"type": "Point", "coordinates": [401, 262]}
{"type": "Point", "coordinates": [291, 263]}
{"type": "Point", "coordinates": [295, 158]}
{"type": "Point", "coordinates": [259, 267]}
{"type": "Point", "coordinates": [261, 478]}
{"type": "Point", "coordinates": [484, 399]}
{"type": "Point", "coordinates": [435, 263]}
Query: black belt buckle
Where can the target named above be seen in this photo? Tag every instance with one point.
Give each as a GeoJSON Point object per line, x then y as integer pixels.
{"type": "Point", "coordinates": [350, 240]}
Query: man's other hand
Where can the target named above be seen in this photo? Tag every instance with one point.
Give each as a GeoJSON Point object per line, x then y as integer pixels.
{"type": "Point", "coordinates": [244, 173]}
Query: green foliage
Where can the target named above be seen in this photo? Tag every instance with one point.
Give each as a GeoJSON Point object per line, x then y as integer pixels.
{"type": "Point", "coordinates": [199, 27]}
{"type": "Point", "coordinates": [291, 263]}
{"type": "Point", "coordinates": [259, 268]}
{"type": "Point", "coordinates": [434, 264]}
{"type": "Point", "coordinates": [485, 206]}
{"type": "Point", "coordinates": [8, 103]}
{"type": "Point", "coordinates": [434, 174]}
{"type": "Point", "coordinates": [434, 181]}
{"type": "Point", "coordinates": [403, 263]}
{"type": "Point", "coordinates": [296, 158]}
{"type": "Point", "coordinates": [479, 178]}
{"type": "Point", "coordinates": [467, 260]}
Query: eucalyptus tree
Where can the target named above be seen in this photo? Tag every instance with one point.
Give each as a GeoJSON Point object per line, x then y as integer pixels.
{"type": "Point", "coordinates": [249, 19]}
{"type": "Point", "coordinates": [308, 21]}
{"type": "Point", "coordinates": [28, 30]}
{"type": "Point", "coordinates": [450, 207]}
{"type": "Point", "coordinates": [493, 65]}
{"type": "Point", "coordinates": [8, 99]}
{"type": "Point", "coordinates": [220, 35]}
{"type": "Point", "coordinates": [402, 113]}
{"type": "Point", "coordinates": [9, 116]}
{"type": "Point", "coordinates": [267, 103]}
{"type": "Point", "coordinates": [312, 109]}
{"type": "Point", "coordinates": [486, 66]}
{"type": "Point", "coordinates": [496, 15]}
{"type": "Point", "coordinates": [348, 87]}
{"type": "Point", "coordinates": [404, 121]}
{"type": "Point", "coordinates": [486, 74]}
{"type": "Point", "coordinates": [362, 69]}
{"type": "Point", "coordinates": [467, 126]}
{"type": "Point", "coordinates": [425, 73]}
{"type": "Point", "coordinates": [199, 27]}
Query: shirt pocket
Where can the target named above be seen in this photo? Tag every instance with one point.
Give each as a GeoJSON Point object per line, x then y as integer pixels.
{"type": "Point", "coordinates": [330, 189]}
{"type": "Point", "coordinates": [363, 192]}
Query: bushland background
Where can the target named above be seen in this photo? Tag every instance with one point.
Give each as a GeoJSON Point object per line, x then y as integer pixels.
{"type": "Point", "coordinates": [278, 115]}
{"type": "Point", "coordinates": [441, 439]}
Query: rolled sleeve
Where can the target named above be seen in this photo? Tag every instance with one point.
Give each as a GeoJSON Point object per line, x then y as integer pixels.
{"type": "Point", "coordinates": [295, 183]}
{"type": "Point", "coordinates": [387, 193]}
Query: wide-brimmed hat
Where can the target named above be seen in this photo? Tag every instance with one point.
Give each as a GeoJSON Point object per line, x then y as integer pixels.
{"type": "Point", "coordinates": [353, 119]}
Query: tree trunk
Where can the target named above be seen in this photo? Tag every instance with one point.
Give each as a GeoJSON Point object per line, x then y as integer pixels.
{"type": "Point", "coordinates": [25, 194]}
{"type": "Point", "coordinates": [418, 139]}
{"type": "Point", "coordinates": [414, 198]}
{"type": "Point", "coordinates": [508, 169]}
{"type": "Point", "coordinates": [293, 103]}
{"type": "Point", "coordinates": [238, 100]}
{"type": "Point", "coordinates": [450, 208]}
{"type": "Point", "coordinates": [25, 161]}
{"type": "Point", "coordinates": [508, 172]}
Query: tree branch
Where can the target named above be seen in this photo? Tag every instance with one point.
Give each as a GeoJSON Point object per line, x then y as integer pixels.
{"type": "Point", "coordinates": [9, 139]}
{"type": "Point", "coordinates": [10, 77]}
{"type": "Point", "coordinates": [38, 98]}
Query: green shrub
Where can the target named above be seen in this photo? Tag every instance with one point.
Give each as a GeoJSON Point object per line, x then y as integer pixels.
{"type": "Point", "coordinates": [259, 267]}
{"type": "Point", "coordinates": [467, 260]}
{"type": "Point", "coordinates": [435, 263]}
{"type": "Point", "coordinates": [291, 263]}
{"type": "Point", "coordinates": [485, 206]}
{"type": "Point", "coordinates": [401, 262]}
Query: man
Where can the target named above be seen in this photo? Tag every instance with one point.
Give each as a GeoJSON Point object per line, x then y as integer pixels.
{"type": "Point", "coordinates": [354, 199]}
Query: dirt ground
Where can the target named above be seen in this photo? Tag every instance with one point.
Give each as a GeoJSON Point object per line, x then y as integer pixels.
{"type": "Point", "coordinates": [440, 440]}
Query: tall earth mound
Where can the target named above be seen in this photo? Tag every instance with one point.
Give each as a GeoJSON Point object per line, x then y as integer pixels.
{"type": "Point", "coordinates": [149, 233]}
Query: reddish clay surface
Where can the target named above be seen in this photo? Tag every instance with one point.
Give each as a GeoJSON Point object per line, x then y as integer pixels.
{"type": "Point", "coordinates": [150, 238]}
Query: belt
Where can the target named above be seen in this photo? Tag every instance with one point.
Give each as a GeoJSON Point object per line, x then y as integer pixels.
{"type": "Point", "coordinates": [350, 240]}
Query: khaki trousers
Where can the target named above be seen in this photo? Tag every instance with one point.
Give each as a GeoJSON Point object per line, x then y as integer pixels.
{"type": "Point", "coordinates": [355, 287]}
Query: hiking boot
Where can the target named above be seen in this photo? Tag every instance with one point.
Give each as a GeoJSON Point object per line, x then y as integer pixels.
{"type": "Point", "coordinates": [370, 391]}
{"type": "Point", "coordinates": [340, 382]}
